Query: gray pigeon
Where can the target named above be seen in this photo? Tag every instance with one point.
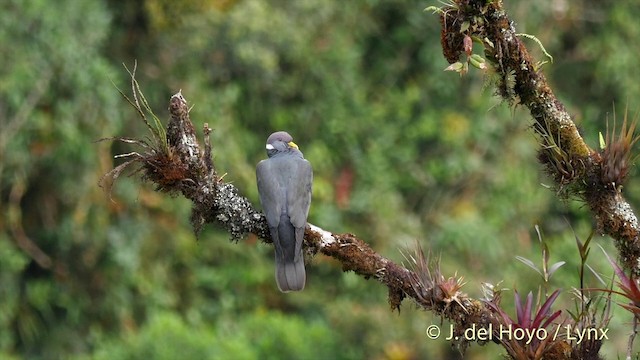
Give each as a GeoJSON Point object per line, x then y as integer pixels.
{"type": "Point", "coordinates": [284, 184]}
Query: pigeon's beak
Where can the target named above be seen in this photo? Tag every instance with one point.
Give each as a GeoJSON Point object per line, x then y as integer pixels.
{"type": "Point", "coordinates": [293, 145]}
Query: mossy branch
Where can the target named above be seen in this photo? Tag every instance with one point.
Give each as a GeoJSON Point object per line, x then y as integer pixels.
{"type": "Point", "coordinates": [593, 176]}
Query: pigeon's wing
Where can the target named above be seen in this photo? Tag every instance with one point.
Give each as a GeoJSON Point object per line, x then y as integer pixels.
{"type": "Point", "coordinates": [299, 192]}
{"type": "Point", "coordinates": [272, 198]}
{"type": "Point", "coordinates": [272, 193]}
{"type": "Point", "coordinates": [299, 200]}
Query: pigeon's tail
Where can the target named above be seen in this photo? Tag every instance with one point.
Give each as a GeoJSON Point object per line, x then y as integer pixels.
{"type": "Point", "coordinates": [290, 272]}
{"type": "Point", "coordinates": [290, 275]}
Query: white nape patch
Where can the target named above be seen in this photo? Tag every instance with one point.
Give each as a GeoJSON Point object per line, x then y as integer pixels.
{"type": "Point", "coordinates": [270, 147]}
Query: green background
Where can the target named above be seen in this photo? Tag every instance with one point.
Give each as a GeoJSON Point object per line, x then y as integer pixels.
{"type": "Point", "coordinates": [402, 152]}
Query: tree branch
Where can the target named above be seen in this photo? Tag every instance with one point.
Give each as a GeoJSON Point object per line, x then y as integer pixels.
{"type": "Point", "coordinates": [595, 177]}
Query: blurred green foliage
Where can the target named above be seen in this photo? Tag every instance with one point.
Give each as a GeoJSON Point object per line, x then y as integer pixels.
{"type": "Point", "coordinates": [262, 335]}
{"type": "Point", "coordinates": [401, 151]}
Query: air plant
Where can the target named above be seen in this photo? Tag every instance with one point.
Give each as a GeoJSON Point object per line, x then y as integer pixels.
{"type": "Point", "coordinates": [559, 164]}
{"type": "Point", "coordinates": [538, 340]}
{"type": "Point", "coordinates": [630, 290]}
{"type": "Point", "coordinates": [157, 160]}
{"type": "Point", "coordinates": [430, 285]}
{"type": "Point", "coordinates": [616, 152]}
